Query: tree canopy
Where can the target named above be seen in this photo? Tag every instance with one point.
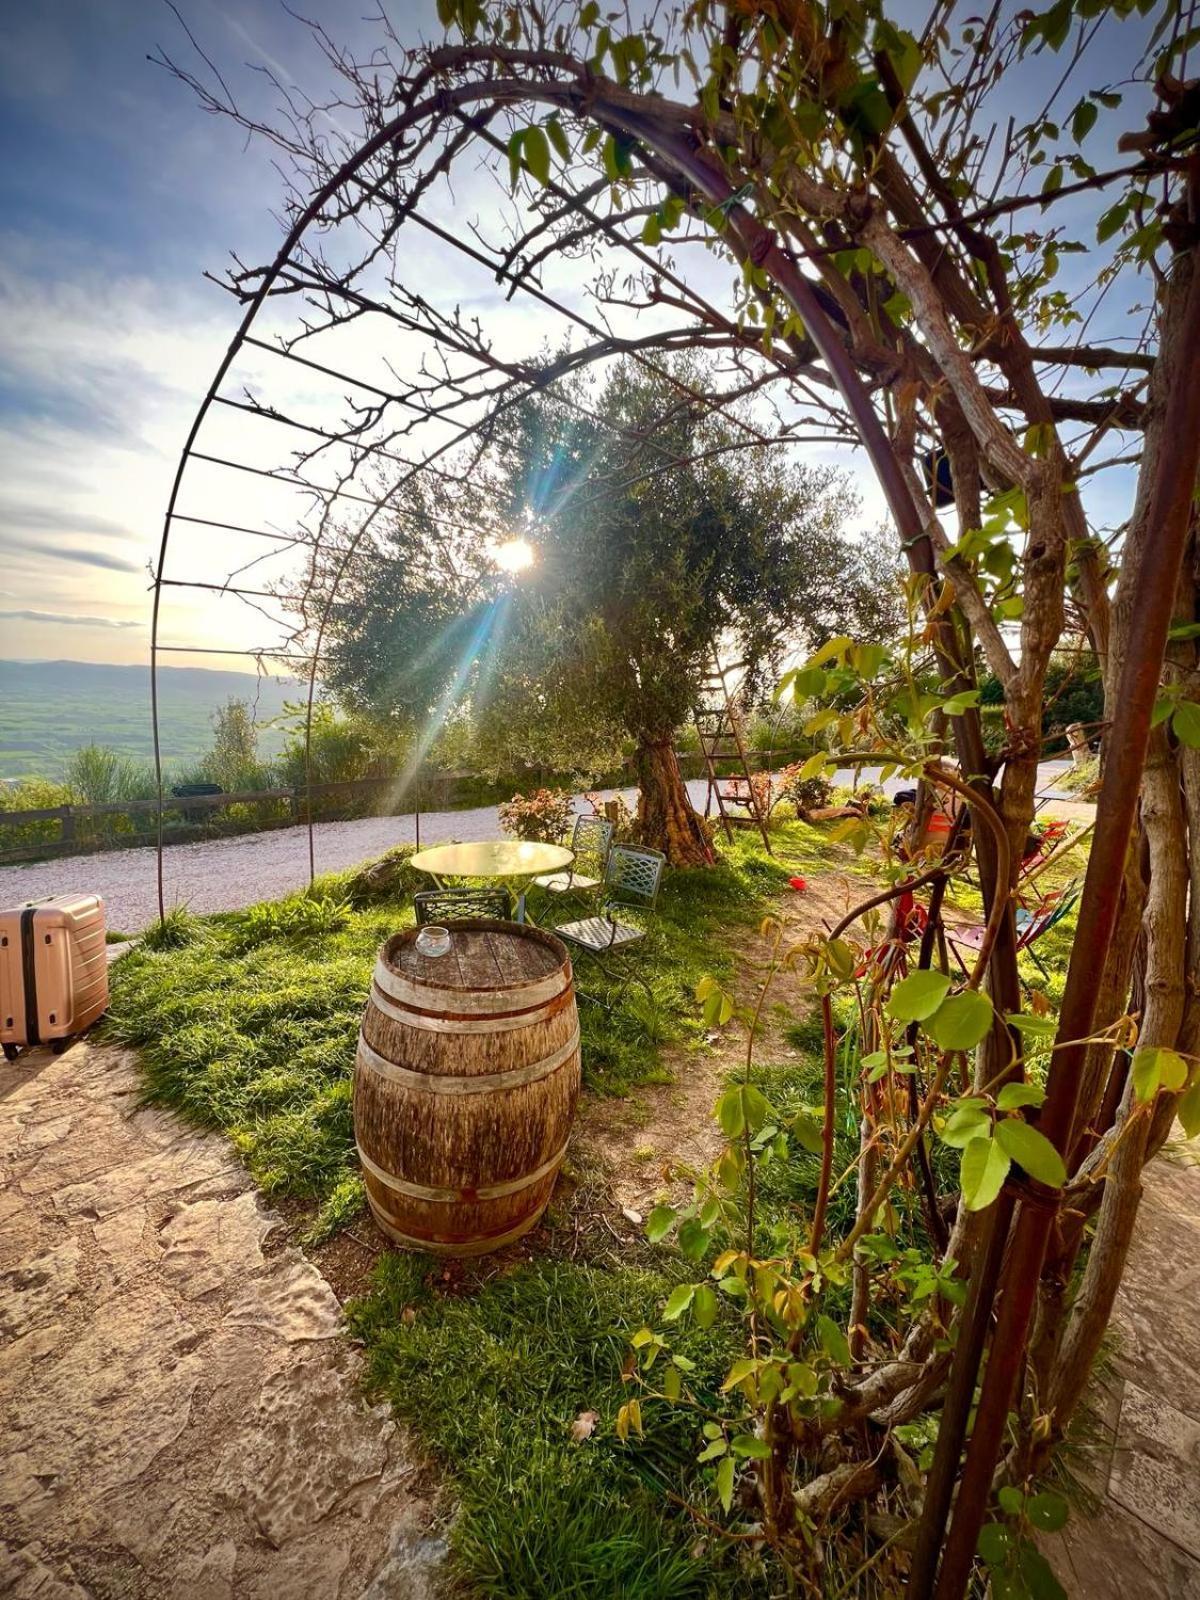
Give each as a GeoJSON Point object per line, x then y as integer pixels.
{"type": "Point", "coordinates": [657, 536]}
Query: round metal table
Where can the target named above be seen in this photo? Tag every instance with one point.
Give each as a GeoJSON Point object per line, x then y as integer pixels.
{"type": "Point", "coordinates": [494, 858]}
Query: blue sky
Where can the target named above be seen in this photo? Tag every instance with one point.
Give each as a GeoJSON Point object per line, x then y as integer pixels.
{"type": "Point", "coordinates": [116, 193]}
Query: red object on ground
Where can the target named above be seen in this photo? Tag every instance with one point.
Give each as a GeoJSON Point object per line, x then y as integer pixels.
{"type": "Point", "coordinates": [798, 884]}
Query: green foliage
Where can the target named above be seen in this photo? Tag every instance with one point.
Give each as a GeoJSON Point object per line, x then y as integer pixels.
{"type": "Point", "coordinates": [493, 1382]}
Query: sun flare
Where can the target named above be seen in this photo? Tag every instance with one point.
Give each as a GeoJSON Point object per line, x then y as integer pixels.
{"type": "Point", "coordinates": [514, 555]}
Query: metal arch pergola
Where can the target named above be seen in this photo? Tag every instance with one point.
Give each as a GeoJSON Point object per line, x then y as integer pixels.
{"type": "Point", "coordinates": [297, 271]}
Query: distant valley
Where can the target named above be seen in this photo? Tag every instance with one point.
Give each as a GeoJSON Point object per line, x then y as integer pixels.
{"type": "Point", "coordinates": [49, 708]}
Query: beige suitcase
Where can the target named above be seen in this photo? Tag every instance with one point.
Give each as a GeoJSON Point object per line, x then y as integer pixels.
{"type": "Point", "coordinates": [53, 971]}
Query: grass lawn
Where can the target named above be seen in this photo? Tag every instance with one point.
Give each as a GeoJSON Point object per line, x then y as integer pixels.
{"type": "Point", "coordinates": [247, 1023]}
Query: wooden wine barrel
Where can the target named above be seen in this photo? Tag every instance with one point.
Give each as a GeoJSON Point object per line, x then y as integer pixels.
{"type": "Point", "coordinates": [465, 1084]}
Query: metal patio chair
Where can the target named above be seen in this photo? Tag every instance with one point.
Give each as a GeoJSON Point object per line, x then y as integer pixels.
{"type": "Point", "coordinates": [591, 842]}
{"type": "Point", "coordinates": [461, 905]}
{"type": "Point", "coordinates": [632, 880]}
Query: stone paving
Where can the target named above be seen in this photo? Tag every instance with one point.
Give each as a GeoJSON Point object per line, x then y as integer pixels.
{"type": "Point", "coordinates": [1144, 1541]}
{"type": "Point", "coordinates": [179, 1406]}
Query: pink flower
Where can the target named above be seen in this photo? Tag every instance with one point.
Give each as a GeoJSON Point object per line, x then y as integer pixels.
{"type": "Point", "coordinates": [798, 884]}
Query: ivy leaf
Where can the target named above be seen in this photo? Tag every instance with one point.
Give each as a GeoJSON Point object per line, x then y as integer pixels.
{"type": "Point", "coordinates": [918, 996]}
{"type": "Point", "coordinates": [961, 1020]}
{"type": "Point", "coordinates": [982, 1173]}
{"type": "Point", "coordinates": [1032, 1150]}
{"type": "Point", "coordinates": [725, 1482]}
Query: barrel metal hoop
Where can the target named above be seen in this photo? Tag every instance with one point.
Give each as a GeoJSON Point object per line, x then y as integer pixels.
{"type": "Point", "coordinates": [450, 1022]}
{"type": "Point", "coordinates": [475, 1002]}
{"type": "Point", "coordinates": [450, 1243]}
{"type": "Point", "coordinates": [485, 1083]}
{"type": "Point", "coordinates": [487, 1191]}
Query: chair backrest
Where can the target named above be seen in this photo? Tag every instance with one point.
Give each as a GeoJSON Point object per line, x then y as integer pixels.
{"type": "Point", "coordinates": [591, 839]}
{"type": "Point", "coordinates": [633, 875]}
{"type": "Point", "coordinates": [461, 905]}
{"type": "Point", "coordinates": [1053, 909]}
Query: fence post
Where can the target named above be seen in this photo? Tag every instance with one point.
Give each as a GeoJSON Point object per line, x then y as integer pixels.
{"type": "Point", "coordinates": [296, 803]}
{"type": "Point", "coordinates": [68, 825]}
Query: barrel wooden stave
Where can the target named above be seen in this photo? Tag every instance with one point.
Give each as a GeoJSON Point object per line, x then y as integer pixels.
{"type": "Point", "coordinates": [463, 1101]}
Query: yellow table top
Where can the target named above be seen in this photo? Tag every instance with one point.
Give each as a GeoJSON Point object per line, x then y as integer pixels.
{"type": "Point", "coordinates": [493, 858]}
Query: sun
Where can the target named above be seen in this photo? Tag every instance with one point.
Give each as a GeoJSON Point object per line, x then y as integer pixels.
{"type": "Point", "coordinates": [514, 555]}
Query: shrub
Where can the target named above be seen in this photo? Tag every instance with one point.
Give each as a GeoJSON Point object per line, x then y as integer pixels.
{"type": "Point", "coordinates": [806, 794]}
{"type": "Point", "coordinates": [542, 815]}
{"type": "Point", "coordinates": [383, 879]}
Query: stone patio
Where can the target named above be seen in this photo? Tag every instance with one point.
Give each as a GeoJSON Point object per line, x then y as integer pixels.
{"type": "Point", "coordinates": [1144, 1542]}
{"type": "Point", "coordinates": [179, 1405]}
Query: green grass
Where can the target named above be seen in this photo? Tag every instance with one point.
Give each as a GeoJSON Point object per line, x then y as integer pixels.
{"type": "Point", "coordinates": [247, 1021]}
{"type": "Point", "coordinates": [493, 1381]}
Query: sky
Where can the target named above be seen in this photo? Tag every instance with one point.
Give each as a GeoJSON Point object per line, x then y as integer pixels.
{"type": "Point", "coordinates": [117, 194]}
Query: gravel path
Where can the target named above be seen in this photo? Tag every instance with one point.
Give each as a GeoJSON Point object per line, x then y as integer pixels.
{"type": "Point", "coordinates": [227, 874]}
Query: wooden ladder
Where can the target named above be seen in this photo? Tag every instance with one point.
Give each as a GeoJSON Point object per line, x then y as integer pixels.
{"type": "Point", "coordinates": [719, 726]}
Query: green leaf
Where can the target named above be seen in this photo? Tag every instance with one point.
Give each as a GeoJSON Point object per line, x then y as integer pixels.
{"type": "Point", "coordinates": [1032, 1150]}
{"type": "Point", "coordinates": [731, 1114]}
{"type": "Point", "coordinates": [1112, 221]}
{"type": "Point", "coordinates": [725, 1482]}
{"type": "Point", "coordinates": [536, 150]}
{"type": "Point", "coordinates": [514, 157]}
{"type": "Point", "coordinates": [558, 138]}
{"type": "Point", "coordinates": [704, 1305]}
{"type": "Point", "coordinates": [587, 17]}
{"type": "Point", "coordinates": [1038, 1027]}
{"type": "Point", "coordinates": [672, 1383]}
{"type": "Point", "coordinates": [1155, 1068]}
{"type": "Point", "coordinates": [982, 1173]}
{"type": "Point", "coordinates": [1015, 1095]}
{"type": "Point", "coordinates": [756, 1106]}
{"type": "Point", "coordinates": [918, 996]}
{"type": "Point", "coordinates": [829, 651]}
{"type": "Point", "coordinates": [961, 1020]}
{"type": "Point", "coordinates": [1083, 120]}
{"type": "Point", "coordinates": [651, 230]}
{"type": "Point", "coordinates": [1048, 1511]}
{"type": "Point", "coordinates": [833, 1341]}
{"type": "Point", "coordinates": [678, 1301]}
{"type": "Point", "coordinates": [958, 703]}
{"type": "Point", "coordinates": [659, 1223]}
{"type": "Point", "coordinates": [995, 1541]}
{"type": "Point", "coordinates": [968, 1122]}
{"type": "Point", "coordinates": [1188, 1110]}
{"type": "Point", "coordinates": [809, 682]}
{"type": "Point", "coordinates": [1185, 724]}
{"type": "Point", "coordinates": [747, 1444]}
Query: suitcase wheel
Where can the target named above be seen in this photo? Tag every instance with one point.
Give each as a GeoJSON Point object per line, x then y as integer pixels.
{"type": "Point", "coordinates": [57, 1046]}
{"type": "Point", "coordinates": [11, 1052]}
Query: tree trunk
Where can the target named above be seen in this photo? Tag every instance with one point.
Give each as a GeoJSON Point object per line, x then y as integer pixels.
{"type": "Point", "coordinates": [666, 819]}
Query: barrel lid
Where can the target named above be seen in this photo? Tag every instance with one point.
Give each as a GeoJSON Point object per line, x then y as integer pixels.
{"type": "Point", "coordinates": [482, 955]}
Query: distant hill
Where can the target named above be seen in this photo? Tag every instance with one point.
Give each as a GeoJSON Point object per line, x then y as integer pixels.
{"type": "Point", "coordinates": [49, 708]}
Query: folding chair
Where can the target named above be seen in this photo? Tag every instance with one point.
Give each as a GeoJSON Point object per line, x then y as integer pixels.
{"type": "Point", "coordinates": [591, 841]}
{"type": "Point", "coordinates": [461, 905]}
{"type": "Point", "coordinates": [1031, 925]}
{"type": "Point", "coordinates": [631, 883]}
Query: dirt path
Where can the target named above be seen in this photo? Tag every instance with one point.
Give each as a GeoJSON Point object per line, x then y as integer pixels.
{"type": "Point", "coordinates": [179, 1405]}
{"type": "Point", "coordinates": [647, 1142]}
